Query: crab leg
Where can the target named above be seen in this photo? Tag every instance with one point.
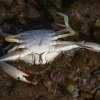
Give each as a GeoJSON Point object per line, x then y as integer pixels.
{"type": "Point", "coordinates": [16, 47]}
{"type": "Point", "coordinates": [37, 60]}
{"type": "Point", "coordinates": [18, 74]}
{"type": "Point", "coordinates": [64, 47]}
{"type": "Point", "coordinates": [91, 46]}
{"type": "Point", "coordinates": [11, 38]}
{"type": "Point", "coordinates": [49, 57]}
{"type": "Point", "coordinates": [28, 59]}
{"type": "Point", "coordinates": [63, 42]}
{"type": "Point", "coordinates": [67, 27]}
{"type": "Point", "coordinates": [14, 55]}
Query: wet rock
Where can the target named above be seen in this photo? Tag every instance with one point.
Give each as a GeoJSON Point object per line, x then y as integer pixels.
{"type": "Point", "coordinates": [20, 2]}
{"type": "Point", "coordinates": [75, 93]}
{"type": "Point", "coordinates": [92, 81]}
{"type": "Point", "coordinates": [95, 67]}
{"type": "Point", "coordinates": [70, 88]}
{"type": "Point", "coordinates": [42, 98]}
{"type": "Point", "coordinates": [84, 81]}
{"type": "Point", "coordinates": [85, 75]}
{"type": "Point", "coordinates": [56, 76]}
{"type": "Point", "coordinates": [94, 90]}
{"type": "Point", "coordinates": [87, 68]}
{"type": "Point", "coordinates": [97, 96]}
{"type": "Point", "coordinates": [97, 23]}
{"type": "Point", "coordinates": [96, 73]}
{"type": "Point", "coordinates": [74, 99]}
{"type": "Point", "coordinates": [21, 19]}
{"type": "Point", "coordinates": [90, 62]}
{"type": "Point", "coordinates": [85, 95]}
{"type": "Point", "coordinates": [78, 15]}
{"type": "Point", "coordinates": [63, 89]}
{"type": "Point", "coordinates": [47, 84]}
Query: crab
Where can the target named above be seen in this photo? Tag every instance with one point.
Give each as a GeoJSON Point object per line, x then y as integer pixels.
{"type": "Point", "coordinates": [40, 46]}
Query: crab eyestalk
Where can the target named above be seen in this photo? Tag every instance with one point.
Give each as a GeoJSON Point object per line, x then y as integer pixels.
{"type": "Point", "coordinates": [18, 74]}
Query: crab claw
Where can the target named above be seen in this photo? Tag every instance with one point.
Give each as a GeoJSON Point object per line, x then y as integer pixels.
{"type": "Point", "coordinates": [18, 74]}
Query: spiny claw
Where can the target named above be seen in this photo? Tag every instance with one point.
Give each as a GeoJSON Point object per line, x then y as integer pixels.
{"type": "Point", "coordinates": [18, 74]}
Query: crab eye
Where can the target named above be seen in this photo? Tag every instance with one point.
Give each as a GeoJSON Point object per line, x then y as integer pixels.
{"type": "Point", "coordinates": [18, 78]}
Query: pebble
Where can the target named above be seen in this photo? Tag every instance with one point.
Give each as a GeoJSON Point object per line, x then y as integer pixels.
{"type": "Point", "coordinates": [84, 81]}
{"type": "Point", "coordinates": [85, 75]}
{"type": "Point", "coordinates": [94, 90]}
{"type": "Point", "coordinates": [97, 96]}
{"type": "Point", "coordinates": [85, 95]}
{"type": "Point", "coordinates": [47, 84]}
{"type": "Point", "coordinates": [92, 81]}
{"type": "Point", "coordinates": [70, 88]}
{"type": "Point", "coordinates": [97, 23]}
{"type": "Point", "coordinates": [75, 93]}
{"type": "Point", "coordinates": [90, 62]}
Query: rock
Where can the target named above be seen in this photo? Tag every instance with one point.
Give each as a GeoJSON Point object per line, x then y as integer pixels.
{"type": "Point", "coordinates": [84, 81]}
{"type": "Point", "coordinates": [42, 98]}
{"type": "Point", "coordinates": [85, 95]}
{"type": "Point", "coordinates": [21, 19]}
{"type": "Point", "coordinates": [85, 75]}
{"type": "Point", "coordinates": [86, 68]}
{"type": "Point", "coordinates": [97, 23]}
{"type": "Point", "coordinates": [70, 88]}
{"type": "Point", "coordinates": [47, 84]}
{"type": "Point", "coordinates": [97, 96]}
{"type": "Point", "coordinates": [90, 62]}
{"type": "Point", "coordinates": [75, 93]}
{"type": "Point", "coordinates": [56, 76]}
{"type": "Point", "coordinates": [96, 73]}
{"type": "Point", "coordinates": [92, 81]}
{"type": "Point", "coordinates": [94, 90]}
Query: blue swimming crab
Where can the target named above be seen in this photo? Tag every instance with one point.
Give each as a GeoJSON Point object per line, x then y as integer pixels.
{"type": "Point", "coordinates": [40, 47]}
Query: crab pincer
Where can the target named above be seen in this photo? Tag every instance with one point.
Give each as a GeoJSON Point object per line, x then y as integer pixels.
{"type": "Point", "coordinates": [18, 74]}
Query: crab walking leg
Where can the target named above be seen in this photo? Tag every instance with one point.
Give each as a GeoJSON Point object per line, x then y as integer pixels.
{"type": "Point", "coordinates": [14, 55]}
{"type": "Point", "coordinates": [18, 74]}
{"type": "Point", "coordinates": [12, 38]}
{"type": "Point", "coordinates": [16, 47]}
{"type": "Point", "coordinates": [29, 58]}
{"type": "Point", "coordinates": [48, 57]}
{"type": "Point", "coordinates": [63, 42]}
{"type": "Point", "coordinates": [67, 27]}
{"type": "Point", "coordinates": [43, 60]}
{"type": "Point", "coordinates": [36, 59]}
{"type": "Point", "coordinates": [65, 47]}
{"type": "Point", "coordinates": [51, 56]}
{"type": "Point", "coordinates": [65, 18]}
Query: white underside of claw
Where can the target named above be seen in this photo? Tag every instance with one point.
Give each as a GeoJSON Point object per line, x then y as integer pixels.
{"type": "Point", "coordinates": [18, 74]}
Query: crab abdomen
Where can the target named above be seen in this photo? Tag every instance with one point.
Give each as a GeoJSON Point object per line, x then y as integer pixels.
{"type": "Point", "coordinates": [37, 41]}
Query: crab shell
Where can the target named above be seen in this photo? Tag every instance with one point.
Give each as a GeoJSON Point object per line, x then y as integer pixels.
{"type": "Point", "coordinates": [39, 47]}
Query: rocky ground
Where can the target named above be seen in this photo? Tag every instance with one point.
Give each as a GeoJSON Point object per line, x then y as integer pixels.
{"type": "Point", "coordinates": [74, 77]}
